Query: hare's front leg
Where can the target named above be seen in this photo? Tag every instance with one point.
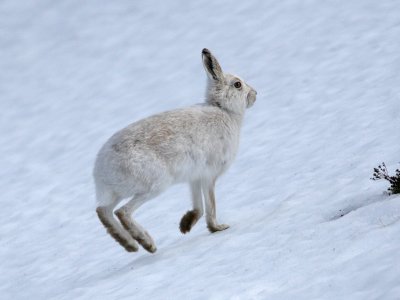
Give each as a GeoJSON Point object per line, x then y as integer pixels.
{"type": "Point", "coordinates": [209, 199]}
{"type": "Point", "coordinates": [192, 216]}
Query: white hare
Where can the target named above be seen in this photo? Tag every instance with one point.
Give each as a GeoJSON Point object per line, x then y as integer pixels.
{"type": "Point", "coordinates": [195, 145]}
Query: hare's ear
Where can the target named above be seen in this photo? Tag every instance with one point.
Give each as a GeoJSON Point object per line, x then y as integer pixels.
{"type": "Point", "coordinates": [211, 65]}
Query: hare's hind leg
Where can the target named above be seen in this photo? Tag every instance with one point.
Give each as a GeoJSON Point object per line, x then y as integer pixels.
{"type": "Point", "coordinates": [105, 214]}
{"type": "Point", "coordinates": [136, 231]}
{"type": "Point", "coordinates": [192, 216]}
{"type": "Point", "coordinates": [209, 199]}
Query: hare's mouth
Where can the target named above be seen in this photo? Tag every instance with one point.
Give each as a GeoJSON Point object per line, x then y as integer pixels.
{"type": "Point", "coordinates": [251, 98]}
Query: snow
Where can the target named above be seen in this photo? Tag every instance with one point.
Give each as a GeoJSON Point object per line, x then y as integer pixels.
{"type": "Point", "coordinates": [306, 221]}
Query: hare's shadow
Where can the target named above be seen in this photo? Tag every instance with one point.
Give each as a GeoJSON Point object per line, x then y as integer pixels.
{"type": "Point", "coordinates": [146, 259]}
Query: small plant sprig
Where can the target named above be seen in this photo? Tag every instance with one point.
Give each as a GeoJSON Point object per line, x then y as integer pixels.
{"type": "Point", "coordinates": [381, 172]}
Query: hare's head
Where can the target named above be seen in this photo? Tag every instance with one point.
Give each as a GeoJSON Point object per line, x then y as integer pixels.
{"type": "Point", "coordinates": [225, 90]}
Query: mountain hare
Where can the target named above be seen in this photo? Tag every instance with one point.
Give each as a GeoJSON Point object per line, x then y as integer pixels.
{"type": "Point", "coordinates": [195, 145]}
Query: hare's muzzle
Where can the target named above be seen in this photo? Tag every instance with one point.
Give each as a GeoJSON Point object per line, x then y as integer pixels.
{"type": "Point", "coordinates": [251, 98]}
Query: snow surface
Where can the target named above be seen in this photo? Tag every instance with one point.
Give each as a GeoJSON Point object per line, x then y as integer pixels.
{"type": "Point", "coordinates": [328, 111]}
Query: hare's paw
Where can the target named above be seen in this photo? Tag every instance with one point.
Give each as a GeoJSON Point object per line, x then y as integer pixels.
{"type": "Point", "coordinates": [217, 227]}
{"type": "Point", "coordinates": [149, 246]}
{"type": "Point", "coordinates": [147, 242]}
{"type": "Point", "coordinates": [131, 247]}
{"type": "Point", "coordinates": [189, 220]}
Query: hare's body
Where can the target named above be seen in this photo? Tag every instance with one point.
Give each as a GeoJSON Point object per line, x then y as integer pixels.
{"type": "Point", "coordinates": [195, 145]}
{"type": "Point", "coordinates": [184, 145]}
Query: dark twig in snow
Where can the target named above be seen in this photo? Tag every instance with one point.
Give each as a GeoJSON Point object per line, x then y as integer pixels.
{"type": "Point", "coordinates": [381, 172]}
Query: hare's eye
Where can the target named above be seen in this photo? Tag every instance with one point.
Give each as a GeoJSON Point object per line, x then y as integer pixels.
{"type": "Point", "coordinates": [237, 84]}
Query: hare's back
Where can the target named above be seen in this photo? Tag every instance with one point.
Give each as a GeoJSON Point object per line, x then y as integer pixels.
{"type": "Point", "coordinates": [170, 132]}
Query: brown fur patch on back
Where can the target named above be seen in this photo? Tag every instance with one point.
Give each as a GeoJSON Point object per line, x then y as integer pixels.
{"type": "Point", "coordinates": [101, 212]}
{"type": "Point", "coordinates": [125, 145]}
{"type": "Point", "coordinates": [160, 136]}
{"type": "Point", "coordinates": [188, 220]}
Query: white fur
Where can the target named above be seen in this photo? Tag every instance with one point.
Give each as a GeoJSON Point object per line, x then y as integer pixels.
{"type": "Point", "coordinates": [195, 145]}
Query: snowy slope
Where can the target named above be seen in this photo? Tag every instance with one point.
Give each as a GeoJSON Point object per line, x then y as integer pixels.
{"type": "Point", "coordinates": [328, 111]}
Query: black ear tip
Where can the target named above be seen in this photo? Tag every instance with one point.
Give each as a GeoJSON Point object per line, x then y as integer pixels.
{"type": "Point", "coordinates": [206, 51]}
